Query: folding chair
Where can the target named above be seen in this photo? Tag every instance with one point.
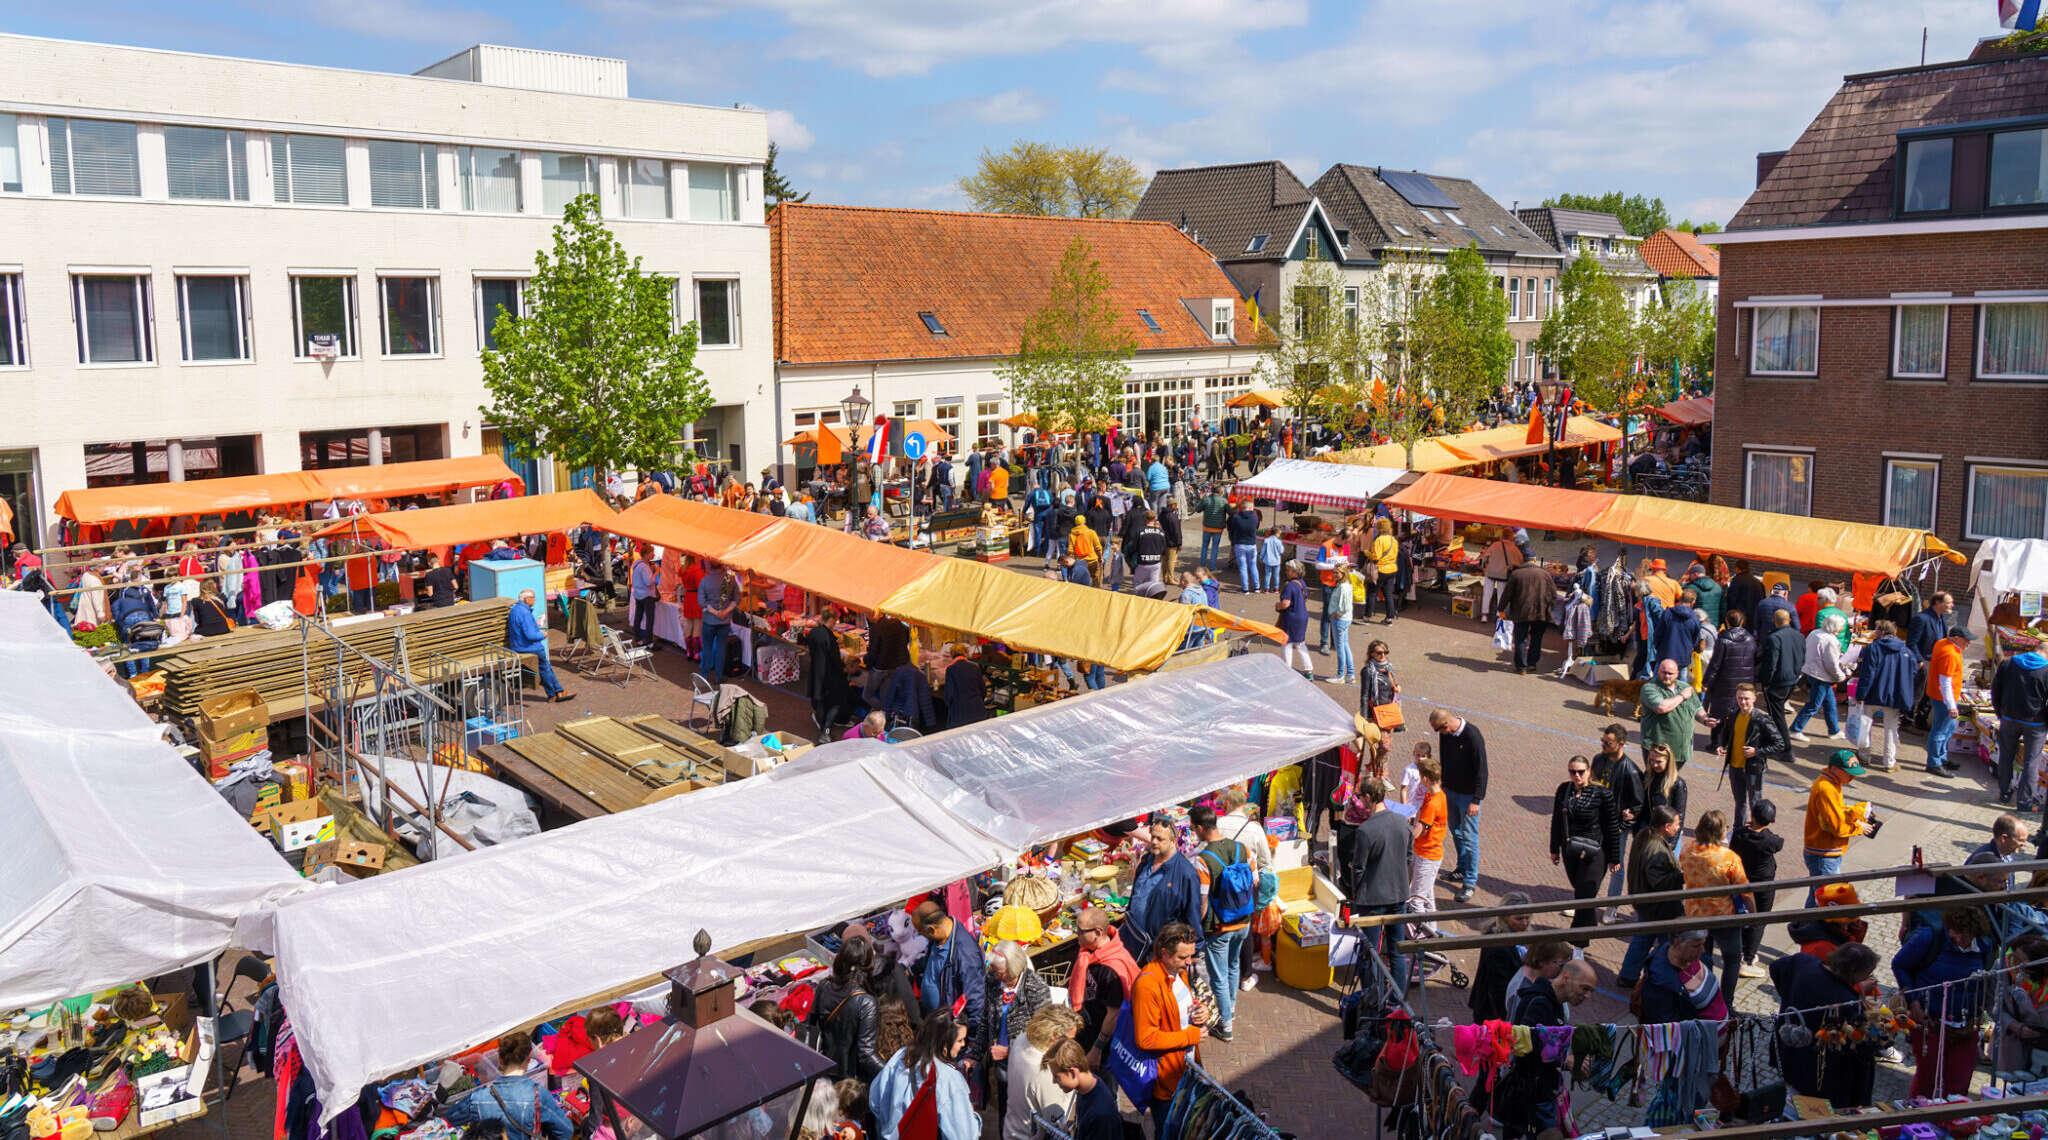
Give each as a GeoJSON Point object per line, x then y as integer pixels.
{"type": "Point", "coordinates": [704, 699]}
{"type": "Point", "coordinates": [613, 653]}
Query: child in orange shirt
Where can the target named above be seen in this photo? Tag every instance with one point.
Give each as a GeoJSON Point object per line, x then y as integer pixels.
{"type": "Point", "coordinates": [1432, 822]}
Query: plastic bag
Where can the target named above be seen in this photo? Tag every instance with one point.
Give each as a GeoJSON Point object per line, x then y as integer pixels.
{"type": "Point", "coordinates": [1857, 727]}
{"type": "Point", "coordinates": [1503, 634]}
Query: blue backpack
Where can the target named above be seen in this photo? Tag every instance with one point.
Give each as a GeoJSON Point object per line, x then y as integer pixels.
{"type": "Point", "coordinates": [1233, 887]}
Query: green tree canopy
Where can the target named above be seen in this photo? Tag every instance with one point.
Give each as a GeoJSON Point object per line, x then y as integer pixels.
{"type": "Point", "coordinates": [1680, 332]}
{"type": "Point", "coordinates": [596, 373]}
{"type": "Point", "coordinates": [1074, 355]}
{"type": "Point", "coordinates": [774, 186]}
{"type": "Point", "coordinates": [1639, 215]}
{"type": "Point", "coordinates": [1040, 178]}
{"type": "Point", "coordinates": [1692, 227]}
{"type": "Point", "coordinates": [1458, 341]}
{"type": "Point", "coordinates": [1320, 355]}
{"type": "Point", "coordinates": [1590, 337]}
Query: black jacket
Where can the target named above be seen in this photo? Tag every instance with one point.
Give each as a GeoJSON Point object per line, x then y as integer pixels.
{"type": "Point", "coordinates": [1587, 814]}
{"type": "Point", "coordinates": [1169, 525]}
{"type": "Point", "coordinates": [1743, 593]}
{"type": "Point", "coordinates": [1379, 860]}
{"type": "Point", "coordinates": [888, 643]}
{"type": "Point", "coordinates": [1464, 759]}
{"type": "Point", "coordinates": [1497, 966]}
{"type": "Point", "coordinates": [1622, 777]}
{"type": "Point", "coordinates": [1758, 851]}
{"type": "Point", "coordinates": [2018, 693]}
{"type": "Point", "coordinates": [1733, 663]}
{"type": "Point", "coordinates": [1652, 798]}
{"type": "Point", "coordinates": [965, 693]}
{"type": "Point", "coordinates": [1780, 658]}
{"type": "Point", "coordinates": [1651, 868]}
{"type": "Point", "coordinates": [1763, 736]}
{"type": "Point", "coordinates": [1805, 983]}
{"type": "Point", "coordinates": [1145, 546]}
{"type": "Point", "coordinates": [1099, 516]}
{"type": "Point", "coordinates": [845, 1020]}
{"type": "Point", "coordinates": [826, 684]}
{"type": "Point", "coordinates": [1063, 517]}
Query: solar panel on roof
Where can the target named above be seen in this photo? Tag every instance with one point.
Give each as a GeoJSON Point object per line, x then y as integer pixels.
{"type": "Point", "coordinates": [1418, 189]}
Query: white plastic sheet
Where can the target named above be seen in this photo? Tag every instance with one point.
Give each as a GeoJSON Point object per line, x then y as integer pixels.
{"type": "Point", "coordinates": [2002, 565]}
{"type": "Point", "coordinates": [1337, 485]}
{"type": "Point", "coordinates": [405, 968]}
{"type": "Point", "coordinates": [117, 861]}
{"type": "Point", "coordinates": [1068, 767]}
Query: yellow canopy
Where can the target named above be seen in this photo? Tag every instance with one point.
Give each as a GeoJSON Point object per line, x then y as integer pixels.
{"type": "Point", "coordinates": [1430, 455]}
{"type": "Point", "coordinates": [1257, 398]}
{"type": "Point", "coordinates": [1467, 449]}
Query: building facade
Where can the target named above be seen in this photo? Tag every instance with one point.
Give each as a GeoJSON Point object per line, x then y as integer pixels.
{"type": "Point", "coordinates": [919, 309]}
{"type": "Point", "coordinates": [1882, 350]}
{"type": "Point", "coordinates": [1681, 261]}
{"type": "Point", "coordinates": [1573, 232]}
{"type": "Point", "coordinates": [215, 266]}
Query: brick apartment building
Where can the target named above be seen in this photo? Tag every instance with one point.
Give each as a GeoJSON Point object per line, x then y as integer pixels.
{"type": "Point", "coordinates": [1883, 338]}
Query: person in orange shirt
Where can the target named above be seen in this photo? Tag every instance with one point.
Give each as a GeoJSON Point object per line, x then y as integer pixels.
{"type": "Point", "coordinates": [1944, 688]}
{"type": "Point", "coordinates": [999, 485]}
{"type": "Point", "coordinates": [1165, 1019]}
{"type": "Point", "coordinates": [1432, 823]}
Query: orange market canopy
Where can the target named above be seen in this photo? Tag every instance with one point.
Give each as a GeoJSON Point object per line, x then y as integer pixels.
{"type": "Point", "coordinates": [286, 488]}
{"type": "Point", "coordinates": [1690, 412]}
{"type": "Point", "coordinates": [1674, 524]}
{"type": "Point", "coordinates": [1122, 631]}
{"type": "Point", "coordinates": [1257, 398]}
{"type": "Point", "coordinates": [1430, 455]}
{"type": "Point", "coordinates": [1467, 449]}
{"type": "Point", "coordinates": [459, 523]}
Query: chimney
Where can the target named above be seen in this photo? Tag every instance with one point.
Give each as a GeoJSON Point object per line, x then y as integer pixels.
{"type": "Point", "coordinates": [701, 991]}
{"type": "Point", "coordinates": [1766, 161]}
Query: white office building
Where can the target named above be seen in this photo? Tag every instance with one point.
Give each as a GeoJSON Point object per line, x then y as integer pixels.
{"type": "Point", "coordinates": [219, 267]}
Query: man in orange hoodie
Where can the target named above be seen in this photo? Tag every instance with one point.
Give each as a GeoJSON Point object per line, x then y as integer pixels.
{"type": "Point", "coordinates": [1830, 822]}
{"type": "Point", "coordinates": [1166, 1022]}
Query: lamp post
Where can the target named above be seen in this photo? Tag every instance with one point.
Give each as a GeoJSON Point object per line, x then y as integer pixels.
{"type": "Point", "coordinates": [853, 412]}
{"type": "Point", "coordinates": [1552, 396]}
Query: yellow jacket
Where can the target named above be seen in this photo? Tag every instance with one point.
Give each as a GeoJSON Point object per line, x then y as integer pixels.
{"type": "Point", "coordinates": [1386, 550]}
{"type": "Point", "coordinates": [1830, 824]}
{"type": "Point", "coordinates": [1084, 544]}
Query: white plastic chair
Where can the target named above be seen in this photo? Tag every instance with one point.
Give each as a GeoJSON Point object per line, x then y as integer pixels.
{"type": "Point", "coordinates": [704, 698]}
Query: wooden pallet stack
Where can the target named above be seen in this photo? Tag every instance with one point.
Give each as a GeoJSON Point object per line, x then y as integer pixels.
{"type": "Point", "coordinates": [274, 665]}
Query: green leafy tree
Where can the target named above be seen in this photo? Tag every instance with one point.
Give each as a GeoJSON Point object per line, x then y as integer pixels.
{"type": "Point", "coordinates": [1679, 334]}
{"type": "Point", "coordinates": [1590, 337]}
{"type": "Point", "coordinates": [2027, 42]}
{"type": "Point", "coordinates": [1320, 353]}
{"type": "Point", "coordinates": [1039, 178]}
{"type": "Point", "coordinates": [774, 186]}
{"type": "Point", "coordinates": [1073, 358]}
{"type": "Point", "coordinates": [1639, 215]}
{"type": "Point", "coordinates": [1692, 227]}
{"type": "Point", "coordinates": [595, 374]}
{"type": "Point", "coordinates": [1458, 342]}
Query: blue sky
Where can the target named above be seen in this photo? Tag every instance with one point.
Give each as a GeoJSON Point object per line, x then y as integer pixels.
{"type": "Point", "coordinates": [890, 101]}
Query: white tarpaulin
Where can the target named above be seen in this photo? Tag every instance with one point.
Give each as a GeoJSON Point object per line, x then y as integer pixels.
{"type": "Point", "coordinates": [1335, 485]}
{"type": "Point", "coordinates": [405, 968]}
{"type": "Point", "coordinates": [117, 861]}
{"type": "Point", "coordinates": [1065, 768]}
{"type": "Point", "coordinates": [2002, 566]}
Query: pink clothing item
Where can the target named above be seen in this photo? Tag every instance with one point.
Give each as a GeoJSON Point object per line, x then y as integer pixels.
{"type": "Point", "coordinates": [252, 586]}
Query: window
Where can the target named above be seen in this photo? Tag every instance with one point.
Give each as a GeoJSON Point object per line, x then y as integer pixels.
{"type": "Point", "coordinates": [2012, 342]}
{"type": "Point", "coordinates": [1498, 232]}
{"type": "Point", "coordinates": [931, 324]}
{"type": "Point", "coordinates": [1351, 307]}
{"type": "Point", "coordinates": [1909, 486]}
{"type": "Point", "coordinates": [1529, 298]}
{"type": "Point", "coordinates": [562, 178]}
{"type": "Point", "coordinates": [309, 170]}
{"type": "Point", "coordinates": [2007, 502]}
{"type": "Point", "coordinates": [1343, 239]}
{"type": "Point", "coordinates": [1535, 364]}
{"type": "Point", "coordinates": [323, 312]}
{"type": "Point", "coordinates": [412, 317]}
{"type": "Point", "coordinates": [946, 414]}
{"type": "Point", "coordinates": [816, 417]}
{"type": "Point", "coordinates": [1402, 230]}
{"type": "Point", "coordinates": [490, 180]}
{"type": "Point", "coordinates": [1151, 326]}
{"type": "Point", "coordinates": [90, 156]}
{"type": "Point", "coordinates": [1514, 298]}
{"type": "Point", "coordinates": [988, 419]}
{"type": "Point", "coordinates": [644, 183]}
{"type": "Point", "coordinates": [1920, 341]}
{"type": "Point", "coordinates": [113, 315]}
{"type": "Point", "coordinates": [1785, 341]}
{"type": "Point", "coordinates": [1926, 184]}
{"type": "Point", "coordinates": [496, 295]}
{"type": "Point", "coordinates": [1314, 247]}
{"type": "Point", "coordinates": [2019, 168]}
{"type": "Point", "coordinates": [1455, 219]}
{"type": "Point", "coordinates": [718, 312]}
{"type": "Point", "coordinates": [13, 330]}
{"type": "Point", "coordinates": [1222, 319]}
{"type": "Point", "coordinates": [1548, 283]}
{"type": "Point", "coordinates": [213, 316]}
{"type": "Point", "coordinates": [10, 155]}
{"type": "Point", "coordinates": [1257, 243]}
{"type": "Point", "coordinates": [1779, 481]}
{"type": "Point", "coordinates": [907, 409]}
{"type": "Point", "coordinates": [403, 176]}
{"type": "Point", "coordinates": [714, 193]}
{"type": "Point", "coordinates": [207, 164]}
{"type": "Point", "coordinates": [1432, 219]}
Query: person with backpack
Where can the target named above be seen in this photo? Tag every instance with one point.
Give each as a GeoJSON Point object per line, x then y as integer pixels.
{"type": "Point", "coordinates": [1230, 882]}
{"type": "Point", "coordinates": [920, 1091]}
{"type": "Point", "coordinates": [1038, 504]}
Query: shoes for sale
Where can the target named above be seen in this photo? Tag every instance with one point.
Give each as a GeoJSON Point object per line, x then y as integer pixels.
{"type": "Point", "coordinates": [110, 1107]}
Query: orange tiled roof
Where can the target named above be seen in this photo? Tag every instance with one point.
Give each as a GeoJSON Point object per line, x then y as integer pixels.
{"type": "Point", "coordinates": [1675, 253]}
{"type": "Point", "coordinates": [850, 281]}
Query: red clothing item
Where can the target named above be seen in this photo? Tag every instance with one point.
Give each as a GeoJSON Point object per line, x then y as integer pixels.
{"type": "Point", "coordinates": [1113, 954]}
{"type": "Point", "coordinates": [693, 576]}
{"type": "Point", "coordinates": [1808, 606]}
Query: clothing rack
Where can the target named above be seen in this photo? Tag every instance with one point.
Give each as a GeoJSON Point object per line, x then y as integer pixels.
{"type": "Point", "coordinates": [1202, 1109]}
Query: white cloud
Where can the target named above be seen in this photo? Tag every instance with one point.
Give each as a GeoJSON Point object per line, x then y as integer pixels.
{"type": "Point", "coordinates": [408, 20]}
{"type": "Point", "coordinates": [786, 133]}
{"type": "Point", "coordinates": [1013, 106]}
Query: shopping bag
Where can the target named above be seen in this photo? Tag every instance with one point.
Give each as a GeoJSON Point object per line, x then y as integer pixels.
{"type": "Point", "coordinates": [1388, 716]}
{"type": "Point", "coordinates": [1136, 1070]}
{"type": "Point", "coordinates": [1858, 727]}
{"type": "Point", "coordinates": [1503, 634]}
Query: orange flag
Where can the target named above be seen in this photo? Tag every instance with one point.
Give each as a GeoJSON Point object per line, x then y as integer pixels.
{"type": "Point", "coordinates": [1536, 434]}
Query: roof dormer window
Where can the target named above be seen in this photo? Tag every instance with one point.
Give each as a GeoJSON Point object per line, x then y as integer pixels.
{"type": "Point", "coordinates": [1222, 318]}
{"type": "Point", "coordinates": [931, 324]}
{"type": "Point", "coordinates": [1257, 243]}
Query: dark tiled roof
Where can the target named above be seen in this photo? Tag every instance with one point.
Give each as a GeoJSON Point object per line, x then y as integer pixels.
{"type": "Point", "coordinates": [1224, 207]}
{"type": "Point", "coordinates": [851, 281]}
{"type": "Point", "coordinates": [1562, 228]}
{"type": "Point", "coordinates": [1840, 170]}
{"type": "Point", "coordinates": [1357, 197]}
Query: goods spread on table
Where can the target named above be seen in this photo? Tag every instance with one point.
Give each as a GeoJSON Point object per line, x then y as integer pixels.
{"type": "Point", "coordinates": [119, 1063]}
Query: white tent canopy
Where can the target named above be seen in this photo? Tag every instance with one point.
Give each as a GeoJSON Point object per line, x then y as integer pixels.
{"type": "Point", "coordinates": [117, 861]}
{"type": "Point", "coordinates": [2006, 565]}
{"type": "Point", "coordinates": [1335, 485]}
{"type": "Point", "coordinates": [402, 969]}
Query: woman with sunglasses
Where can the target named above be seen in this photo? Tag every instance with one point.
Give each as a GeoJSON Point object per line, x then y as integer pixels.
{"type": "Point", "coordinates": [1377, 686]}
{"type": "Point", "coordinates": [1585, 834]}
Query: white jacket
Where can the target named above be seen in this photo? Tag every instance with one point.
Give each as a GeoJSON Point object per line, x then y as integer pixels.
{"type": "Point", "coordinates": [1824, 658]}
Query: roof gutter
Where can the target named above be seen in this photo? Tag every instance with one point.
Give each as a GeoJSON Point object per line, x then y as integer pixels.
{"type": "Point", "coordinates": [1879, 229]}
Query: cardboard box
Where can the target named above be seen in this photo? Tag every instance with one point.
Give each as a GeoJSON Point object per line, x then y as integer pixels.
{"type": "Point", "coordinates": [225, 714]}
{"type": "Point", "coordinates": [242, 741]}
{"type": "Point", "coordinates": [353, 854]}
{"type": "Point", "coordinates": [299, 824]}
{"type": "Point", "coordinates": [217, 766]}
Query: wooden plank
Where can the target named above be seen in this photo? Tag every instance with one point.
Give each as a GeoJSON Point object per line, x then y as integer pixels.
{"type": "Point", "coordinates": [603, 782]}
{"type": "Point", "coordinates": [517, 769]}
{"type": "Point", "coordinates": [650, 761]}
{"type": "Point", "coordinates": [713, 755]}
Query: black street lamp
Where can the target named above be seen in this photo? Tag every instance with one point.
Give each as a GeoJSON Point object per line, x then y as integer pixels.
{"type": "Point", "coordinates": [853, 412]}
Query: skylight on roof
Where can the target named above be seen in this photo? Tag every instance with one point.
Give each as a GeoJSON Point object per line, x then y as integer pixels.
{"type": "Point", "coordinates": [1257, 243]}
{"type": "Point", "coordinates": [1432, 219]}
{"type": "Point", "coordinates": [1498, 230]}
{"type": "Point", "coordinates": [931, 324]}
{"type": "Point", "coordinates": [1146, 316]}
{"type": "Point", "coordinates": [1455, 219]}
{"type": "Point", "coordinates": [1402, 230]}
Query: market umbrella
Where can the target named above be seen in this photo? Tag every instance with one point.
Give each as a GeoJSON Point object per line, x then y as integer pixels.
{"type": "Point", "coordinates": [1256, 398]}
{"type": "Point", "coordinates": [1022, 420]}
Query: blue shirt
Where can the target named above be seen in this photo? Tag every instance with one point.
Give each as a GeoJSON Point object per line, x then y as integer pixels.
{"type": "Point", "coordinates": [895, 1087]}
{"type": "Point", "coordinates": [711, 595]}
{"type": "Point", "coordinates": [1270, 550]}
{"type": "Point", "coordinates": [522, 630]}
{"type": "Point", "coordinates": [644, 578]}
{"type": "Point", "coordinates": [1156, 478]}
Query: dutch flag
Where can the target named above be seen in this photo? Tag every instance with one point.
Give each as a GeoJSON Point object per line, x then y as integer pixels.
{"type": "Point", "coordinates": [2020, 15]}
{"type": "Point", "coordinates": [878, 441]}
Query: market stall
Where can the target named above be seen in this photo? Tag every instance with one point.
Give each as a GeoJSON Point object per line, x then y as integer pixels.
{"type": "Point", "coordinates": [254, 492]}
{"type": "Point", "coordinates": [1344, 487]}
{"type": "Point", "coordinates": [601, 908]}
{"type": "Point", "coordinates": [1693, 411]}
{"type": "Point", "coordinates": [2009, 574]}
{"type": "Point", "coordinates": [429, 528]}
{"type": "Point", "coordinates": [1472, 448]}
